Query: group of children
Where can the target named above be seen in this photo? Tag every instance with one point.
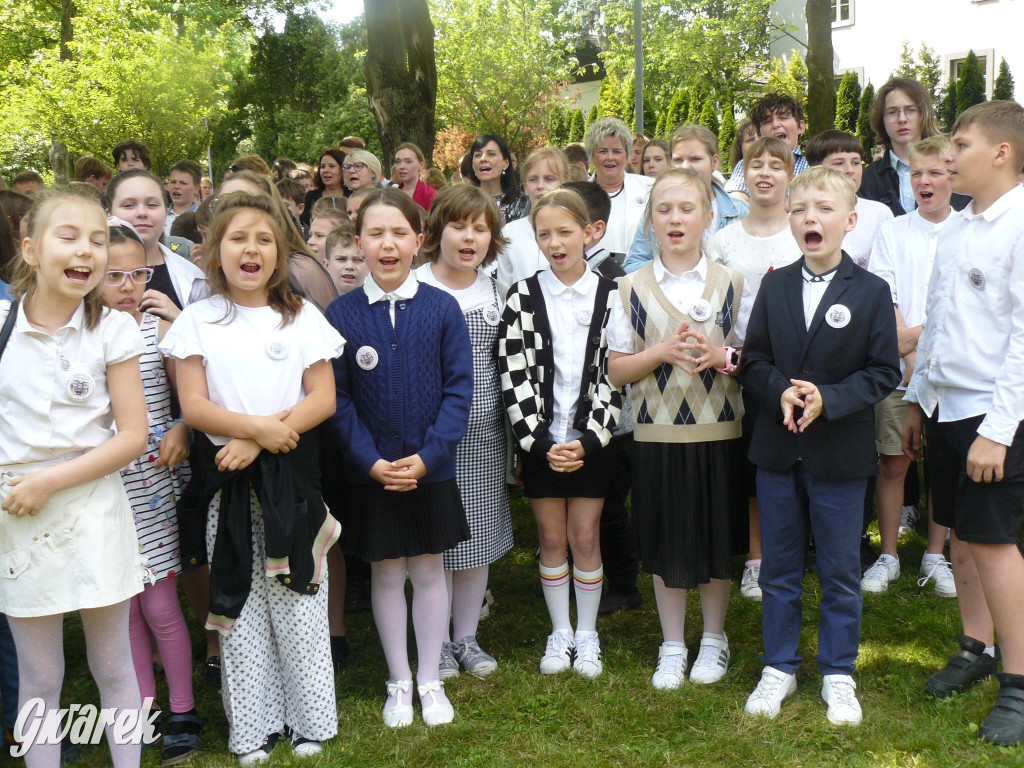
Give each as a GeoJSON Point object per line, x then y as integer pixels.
{"type": "Point", "coordinates": [743, 372]}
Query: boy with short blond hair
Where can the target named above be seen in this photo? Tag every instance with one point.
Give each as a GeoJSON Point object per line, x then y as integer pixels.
{"type": "Point", "coordinates": [903, 256]}
{"type": "Point", "coordinates": [343, 259]}
{"type": "Point", "coordinates": [969, 383]}
{"type": "Point", "coordinates": [820, 351]}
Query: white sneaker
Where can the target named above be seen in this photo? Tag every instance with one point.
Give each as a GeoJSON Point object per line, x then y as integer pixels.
{"type": "Point", "coordinates": [908, 519]}
{"type": "Point", "coordinates": [437, 710]}
{"type": "Point", "coordinates": [671, 669]}
{"type": "Point", "coordinates": [712, 661]}
{"type": "Point", "coordinates": [941, 572]}
{"type": "Point", "coordinates": [772, 689]}
{"type": "Point", "coordinates": [840, 693]}
{"type": "Point", "coordinates": [880, 574]}
{"type": "Point", "coordinates": [256, 757]}
{"type": "Point", "coordinates": [588, 655]}
{"type": "Point", "coordinates": [558, 654]}
{"type": "Point", "coordinates": [399, 714]}
{"type": "Point", "coordinates": [749, 587]}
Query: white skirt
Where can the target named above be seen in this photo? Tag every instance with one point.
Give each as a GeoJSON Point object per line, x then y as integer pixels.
{"type": "Point", "coordinates": [80, 551]}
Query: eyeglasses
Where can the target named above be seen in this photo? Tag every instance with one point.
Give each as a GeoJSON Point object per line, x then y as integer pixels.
{"type": "Point", "coordinates": [893, 113]}
{"type": "Point", "coordinates": [354, 166]}
{"type": "Point", "coordinates": [114, 278]}
{"type": "Point", "coordinates": [236, 168]}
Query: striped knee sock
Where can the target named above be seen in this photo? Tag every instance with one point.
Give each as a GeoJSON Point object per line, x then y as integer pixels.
{"type": "Point", "coordinates": [588, 597]}
{"type": "Point", "coordinates": [555, 584]}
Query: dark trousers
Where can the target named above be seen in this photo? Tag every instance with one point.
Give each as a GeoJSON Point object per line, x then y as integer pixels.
{"type": "Point", "coordinates": [793, 504]}
{"type": "Point", "coordinates": [618, 541]}
{"type": "Point", "coordinates": [8, 674]}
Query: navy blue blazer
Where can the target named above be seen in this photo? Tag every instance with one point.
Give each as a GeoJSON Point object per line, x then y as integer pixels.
{"type": "Point", "coordinates": [854, 366]}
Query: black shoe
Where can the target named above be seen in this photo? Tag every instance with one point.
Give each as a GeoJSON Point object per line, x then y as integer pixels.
{"type": "Point", "coordinates": [615, 600]}
{"type": "Point", "coordinates": [181, 737]}
{"type": "Point", "coordinates": [211, 672]}
{"type": "Point", "coordinates": [1005, 725]}
{"type": "Point", "coordinates": [68, 752]}
{"type": "Point", "coordinates": [357, 597]}
{"type": "Point", "coordinates": [964, 669]}
{"type": "Point", "coordinates": [339, 652]}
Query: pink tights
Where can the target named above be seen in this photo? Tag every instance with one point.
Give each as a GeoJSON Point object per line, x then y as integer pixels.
{"type": "Point", "coordinates": [156, 609]}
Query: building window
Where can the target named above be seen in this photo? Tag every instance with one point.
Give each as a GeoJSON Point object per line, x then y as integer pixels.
{"type": "Point", "coordinates": [954, 63]}
{"type": "Point", "coordinates": [842, 13]}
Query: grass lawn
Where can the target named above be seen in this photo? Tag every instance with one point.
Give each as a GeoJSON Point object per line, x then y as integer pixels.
{"type": "Point", "coordinates": [518, 718]}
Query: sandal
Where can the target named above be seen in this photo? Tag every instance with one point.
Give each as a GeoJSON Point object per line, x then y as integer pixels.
{"type": "Point", "coordinates": [181, 737]}
{"type": "Point", "coordinates": [211, 672]}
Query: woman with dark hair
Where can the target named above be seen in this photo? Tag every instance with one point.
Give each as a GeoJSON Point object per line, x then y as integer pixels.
{"type": "Point", "coordinates": [491, 170]}
{"type": "Point", "coordinates": [329, 180]}
{"type": "Point", "coordinates": [901, 115]}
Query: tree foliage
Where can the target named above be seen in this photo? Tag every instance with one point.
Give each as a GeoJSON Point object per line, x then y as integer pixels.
{"type": "Point", "coordinates": [708, 118]}
{"type": "Point", "coordinates": [924, 66]}
{"type": "Point", "coordinates": [848, 103]}
{"type": "Point", "coordinates": [499, 67]}
{"type": "Point", "coordinates": [556, 124]}
{"type": "Point", "coordinates": [1003, 87]}
{"type": "Point", "coordinates": [576, 126]}
{"type": "Point", "coordinates": [726, 136]}
{"type": "Point", "coordinates": [970, 86]}
{"type": "Point", "coordinates": [592, 115]}
{"type": "Point", "coordinates": [865, 132]}
{"type": "Point", "coordinates": [947, 110]}
{"type": "Point", "coordinates": [789, 77]}
{"type": "Point", "coordinates": [678, 109]}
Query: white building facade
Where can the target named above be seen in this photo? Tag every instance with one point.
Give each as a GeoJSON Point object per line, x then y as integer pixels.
{"type": "Point", "coordinates": [868, 35]}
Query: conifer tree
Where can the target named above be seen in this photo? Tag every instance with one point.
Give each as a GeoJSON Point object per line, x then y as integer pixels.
{"type": "Point", "coordinates": [1003, 88]}
{"type": "Point", "coordinates": [848, 103]}
{"type": "Point", "coordinates": [865, 132]}
{"type": "Point", "coordinates": [970, 86]}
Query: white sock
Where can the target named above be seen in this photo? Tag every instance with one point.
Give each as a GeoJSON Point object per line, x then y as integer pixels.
{"type": "Point", "coordinates": [714, 636]}
{"type": "Point", "coordinates": [753, 563]}
{"type": "Point", "coordinates": [588, 597]}
{"type": "Point", "coordinates": [991, 651]}
{"type": "Point", "coordinates": [928, 558]}
{"type": "Point", "coordinates": [555, 585]}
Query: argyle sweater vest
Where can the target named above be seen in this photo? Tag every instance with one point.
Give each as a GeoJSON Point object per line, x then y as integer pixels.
{"type": "Point", "coordinates": [670, 405]}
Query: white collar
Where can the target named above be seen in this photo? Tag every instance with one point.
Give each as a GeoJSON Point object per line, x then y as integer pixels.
{"type": "Point", "coordinates": [1014, 197]}
{"type": "Point", "coordinates": [556, 287]}
{"type": "Point", "coordinates": [76, 323]}
{"type": "Point", "coordinates": [701, 269]}
{"type": "Point", "coordinates": [917, 220]}
{"type": "Point", "coordinates": [824, 277]}
{"type": "Point", "coordinates": [405, 291]}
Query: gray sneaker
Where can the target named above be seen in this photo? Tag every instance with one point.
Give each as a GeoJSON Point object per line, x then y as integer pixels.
{"type": "Point", "coordinates": [449, 666]}
{"type": "Point", "coordinates": [473, 659]}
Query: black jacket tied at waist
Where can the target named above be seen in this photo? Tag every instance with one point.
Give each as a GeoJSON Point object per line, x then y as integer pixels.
{"type": "Point", "coordinates": [298, 530]}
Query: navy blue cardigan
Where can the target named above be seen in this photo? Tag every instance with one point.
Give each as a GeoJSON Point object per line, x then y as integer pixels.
{"type": "Point", "coordinates": [415, 398]}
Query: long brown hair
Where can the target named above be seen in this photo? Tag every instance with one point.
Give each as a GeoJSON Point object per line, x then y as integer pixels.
{"type": "Point", "coordinates": [279, 291]}
{"type": "Point", "coordinates": [462, 203]}
{"type": "Point", "coordinates": [24, 280]}
{"type": "Point", "coordinates": [917, 93]}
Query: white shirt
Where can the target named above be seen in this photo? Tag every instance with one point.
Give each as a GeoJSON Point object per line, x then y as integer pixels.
{"type": "Point", "coordinates": [858, 242]}
{"type": "Point", "coordinates": [814, 288]}
{"type": "Point", "coordinates": [970, 360]}
{"type": "Point", "coordinates": [753, 256]}
{"type": "Point", "coordinates": [54, 401]}
{"type": "Point", "coordinates": [406, 290]}
{"type": "Point", "coordinates": [682, 291]}
{"type": "Point", "coordinates": [479, 294]}
{"type": "Point", "coordinates": [628, 207]}
{"type": "Point", "coordinates": [570, 309]}
{"type": "Point", "coordinates": [522, 257]}
{"type": "Point", "coordinates": [253, 365]}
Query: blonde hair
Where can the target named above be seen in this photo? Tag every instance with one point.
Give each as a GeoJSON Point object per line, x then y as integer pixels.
{"type": "Point", "coordinates": [824, 178]}
{"type": "Point", "coordinates": [24, 279]}
{"type": "Point", "coordinates": [694, 132]}
{"type": "Point", "coordinates": [678, 174]}
{"type": "Point", "coordinates": [343, 235]}
{"type": "Point", "coordinates": [566, 199]}
{"type": "Point", "coordinates": [332, 207]}
{"type": "Point", "coordinates": [553, 156]}
{"type": "Point", "coordinates": [933, 146]}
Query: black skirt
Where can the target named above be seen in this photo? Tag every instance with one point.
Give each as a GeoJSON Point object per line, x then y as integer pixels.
{"type": "Point", "coordinates": [384, 525]}
{"type": "Point", "coordinates": [689, 510]}
{"type": "Point", "coordinates": [588, 482]}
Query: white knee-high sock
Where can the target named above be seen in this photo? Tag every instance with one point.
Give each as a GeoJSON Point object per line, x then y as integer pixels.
{"type": "Point", "coordinates": [555, 585]}
{"type": "Point", "coordinates": [588, 597]}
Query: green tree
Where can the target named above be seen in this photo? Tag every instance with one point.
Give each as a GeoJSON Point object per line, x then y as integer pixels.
{"type": "Point", "coordinates": [1003, 87]}
{"type": "Point", "coordinates": [726, 136]}
{"type": "Point", "coordinates": [789, 77]}
{"type": "Point", "coordinates": [708, 118]}
{"type": "Point", "coordinates": [678, 109]}
{"type": "Point", "coordinates": [947, 110]}
{"type": "Point", "coordinates": [499, 66]}
{"type": "Point", "coordinates": [865, 132]}
{"type": "Point", "coordinates": [696, 107]}
{"type": "Point", "coordinates": [556, 124]}
{"type": "Point", "coordinates": [576, 127]}
{"type": "Point", "coordinates": [660, 129]}
{"type": "Point", "coordinates": [592, 115]}
{"type": "Point", "coordinates": [929, 71]}
{"type": "Point", "coordinates": [970, 86]}
{"type": "Point", "coordinates": [848, 103]}
{"type": "Point", "coordinates": [907, 67]}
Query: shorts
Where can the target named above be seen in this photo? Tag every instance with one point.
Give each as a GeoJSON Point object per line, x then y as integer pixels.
{"type": "Point", "coordinates": [889, 417]}
{"type": "Point", "coordinates": [983, 513]}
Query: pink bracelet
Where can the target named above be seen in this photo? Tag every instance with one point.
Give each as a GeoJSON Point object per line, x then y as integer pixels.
{"type": "Point", "coordinates": [731, 361]}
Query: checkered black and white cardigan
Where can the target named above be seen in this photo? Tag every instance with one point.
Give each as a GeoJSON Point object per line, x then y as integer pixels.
{"type": "Point", "coordinates": [527, 367]}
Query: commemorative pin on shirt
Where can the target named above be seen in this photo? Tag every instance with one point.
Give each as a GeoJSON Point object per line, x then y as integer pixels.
{"type": "Point", "coordinates": [367, 357]}
{"type": "Point", "coordinates": [700, 310]}
{"type": "Point", "coordinates": [838, 316]}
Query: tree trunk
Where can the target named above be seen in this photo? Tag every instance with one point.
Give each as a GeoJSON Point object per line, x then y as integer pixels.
{"type": "Point", "coordinates": [60, 161]}
{"type": "Point", "coordinates": [401, 75]}
{"type": "Point", "coordinates": [821, 86]}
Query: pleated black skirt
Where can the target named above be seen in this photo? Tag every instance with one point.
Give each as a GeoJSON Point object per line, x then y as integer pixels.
{"type": "Point", "coordinates": [383, 525]}
{"type": "Point", "coordinates": [588, 482]}
{"type": "Point", "coordinates": [689, 510]}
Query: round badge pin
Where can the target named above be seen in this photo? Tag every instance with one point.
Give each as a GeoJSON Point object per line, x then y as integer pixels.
{"type": "Point", "coordinates": [838, 316]}
{"type": "Point", "coordinates": [65, 364]}
{"type": "Point", "coordinates": [584, 316]}
{"type": "Point", "coordinates": [491, 315]}
{"type": "Point", "coordinates": [276, 349]}
{"type": "Point", "coordinates": [367, 358]}
{"type": "Point", "coordinates": [701, 310]}
{"type": "Point", "coordinates": [977, 279]}
{"type": "Point", "coordinates": [80, 386]}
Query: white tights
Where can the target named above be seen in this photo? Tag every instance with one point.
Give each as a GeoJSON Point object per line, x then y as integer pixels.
{"type": "Point", "coordinates": [466, 589]}
{"type": "Point", "coordinates": [40, 645]}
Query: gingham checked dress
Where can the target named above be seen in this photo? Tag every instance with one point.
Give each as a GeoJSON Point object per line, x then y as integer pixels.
{"type": "Point", "coordinates": [480, 461]}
